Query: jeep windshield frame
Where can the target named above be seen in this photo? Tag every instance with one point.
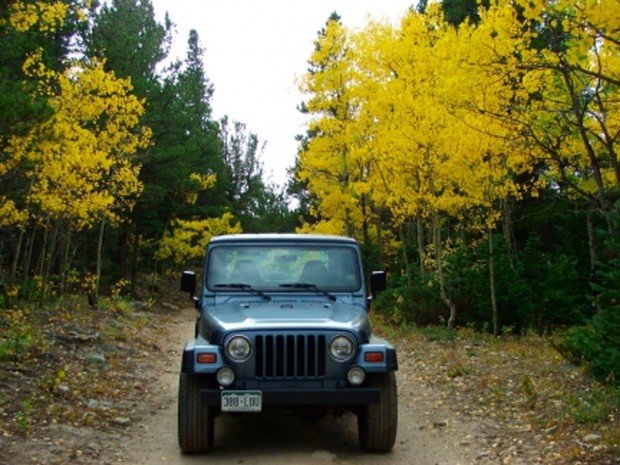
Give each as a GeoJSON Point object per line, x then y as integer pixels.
{"type": "Point", "coordinates": [330, 267]}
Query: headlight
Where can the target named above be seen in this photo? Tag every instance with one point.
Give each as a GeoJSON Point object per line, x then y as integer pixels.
{"type": "Point", "coordinates": [341, 348]}
{"type": "Point", "coordinates": [239, 348]}
{"type": "Point", "coordinates": [356, 376]}
{"type": "Point", "coordinates": [225, 376]}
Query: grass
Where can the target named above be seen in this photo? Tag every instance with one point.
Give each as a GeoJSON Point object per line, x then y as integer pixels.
{"type": "Point", "coordinates": [595, 406]}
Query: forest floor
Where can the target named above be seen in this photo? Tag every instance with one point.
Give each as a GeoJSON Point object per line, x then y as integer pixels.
{"type": "Point", "coordinates": [82, 386]}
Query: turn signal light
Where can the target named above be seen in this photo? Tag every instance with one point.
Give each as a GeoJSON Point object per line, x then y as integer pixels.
{"type": "Point", "coordinates": [373, 357]}
{"type": "Point", "coordinates": [206, 358]}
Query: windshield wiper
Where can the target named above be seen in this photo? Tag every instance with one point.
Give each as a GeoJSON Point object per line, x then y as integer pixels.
{"type": "Point", "coordinates": [310, 287]}
{"type": "Point", "coordinates": [245, 287]}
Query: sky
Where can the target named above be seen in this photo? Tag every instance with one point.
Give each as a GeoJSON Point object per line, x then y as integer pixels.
{"type": "Point", "coordinates": [255, 53]}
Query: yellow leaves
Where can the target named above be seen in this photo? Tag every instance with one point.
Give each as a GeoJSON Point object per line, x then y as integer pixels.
{"type": "Point", "coordinates": [428, 145]}
{"type": "Point", "coordinates": [330, 164]}
{"type": "Point", "coordinates": [331, 226]}
{"type": "Point", "coordinates": [533, 10]}
{"type": "Point", "coordinates": [426, 118]}
{"type": "Point", "coordinates": [586, 67]}
{"type": "Point", "coordinates": [34, 67]}
{"type": "Point", "coordinates": [188, 240]}
{"type": "Point", "coordinates": [204, 181]}
{"type": "Point", "coordinates": [330, 48]}
{"type": "Point", "coordinates": [10, 215]}
{"type": "Point", "coordinates": [601, 15]}
{"type": "Point", "coordinates": [79, 161]}
{"type": "Point", "coordinates": [406, 117]}
{"type": "Point", "coordinates": [45, 16]}
{"type": "Point", "coordinates": [200, 182]}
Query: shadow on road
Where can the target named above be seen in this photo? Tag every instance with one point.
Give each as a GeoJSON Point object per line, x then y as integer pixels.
{"type": "Point", "coordinates": [285, 431]}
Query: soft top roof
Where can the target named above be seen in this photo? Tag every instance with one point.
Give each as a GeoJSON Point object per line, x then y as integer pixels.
{"type": "Point", "coordinates": [272, 237]}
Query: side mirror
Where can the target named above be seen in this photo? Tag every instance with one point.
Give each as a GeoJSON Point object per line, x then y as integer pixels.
{"type": "Point", "coordinates": [377, 282]}
{"type": "Point", "coordinates": [188, 282]}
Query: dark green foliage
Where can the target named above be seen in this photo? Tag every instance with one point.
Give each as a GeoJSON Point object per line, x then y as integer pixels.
{"type": "Point", "coordinates": [185, 138]}
{"type": "Point", "coordinates": [273, 213]}
{"type": "Point", "coordinates": [244, 170]}
{"type": "Point", "coordinates": [541, 282]}
{"type": "Point", "coordinates": [534, 289]}
{"type": "Point", "coordinates": [185, 141]}
{"type": "Point", "coordinates": [457, 11]}
{"type": "Point", "coordinates": [259, 206]}
{"type": "Point", "coordinates": [133, 43]}
{"type": "Point", "coordinates": [421, 6]}
{"type": "Point", "coordinates": [598, 342]}
{"type": "Point", "coordinates": [419, 304]}
{"type": "Point", "coordinates": [297, 190]}
{"type": "Point", "coordinates": [20, 106]}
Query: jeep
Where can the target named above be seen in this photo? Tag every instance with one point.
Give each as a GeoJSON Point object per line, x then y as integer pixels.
{"type": "Point", "coordinates": [283, 322]}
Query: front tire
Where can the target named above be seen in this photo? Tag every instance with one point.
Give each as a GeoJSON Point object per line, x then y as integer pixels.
{"type": "Point", "coordinates": [197, 327]}
{"type": "Point", "coordinates": [377, 423]}
{"type": "Point", "coordinates": [196, 420]}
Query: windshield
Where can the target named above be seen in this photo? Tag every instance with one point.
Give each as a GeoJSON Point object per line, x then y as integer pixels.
{"type": "Point", "coordinates": [269, 267]}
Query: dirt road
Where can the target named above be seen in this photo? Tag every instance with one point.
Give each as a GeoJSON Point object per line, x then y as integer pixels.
{"type": "Point", "coordinates": [428, 433]}
{"type": "Point", "coordinates": [464, 398]}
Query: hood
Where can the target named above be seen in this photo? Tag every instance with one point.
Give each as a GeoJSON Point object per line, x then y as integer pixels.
{"type": "Point", "coordinates": [289, 315]}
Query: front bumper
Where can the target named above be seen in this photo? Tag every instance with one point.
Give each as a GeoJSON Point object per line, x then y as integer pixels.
{"type": "Point", "coordinates": [306, 397]}
{"type": "Point", "coordinates": [199, 346]}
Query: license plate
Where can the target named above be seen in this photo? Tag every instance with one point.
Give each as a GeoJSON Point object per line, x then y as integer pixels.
{"type": "Point", "coordinates": [242, 401]}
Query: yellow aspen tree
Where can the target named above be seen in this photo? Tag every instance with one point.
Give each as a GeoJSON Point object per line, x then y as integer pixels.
{"type": "Point", "coordinates": [325, 161]}
{"type": "Point", "coordinates": [41, 16]}
{"type": "Point", "coordinates": [186, 240]}
{"type": "Point", "coordinates": [24, 26]}
{"type": "Point", "coordinates": [407, 148]}
{"type": "Point", "coordinates": [435, 153]}
{"type": "Point", "coordinates": [80, 163]}
{"type": "Point", "coordinates": [575, 121]}
{"type": "Point", "coordinates": [444, 120]}
{"type": "Point", "coordinates": [44, 17]}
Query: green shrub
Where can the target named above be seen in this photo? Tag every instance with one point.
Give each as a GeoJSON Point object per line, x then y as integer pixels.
{"type": "Point", "coordinates": [418, 304]}
{"type": "Point", "coordinates": [598, 342]}
{"type": "Point", "coordinates": [18, 338]}
{"type": "Point", "coordinates": [594, 406]}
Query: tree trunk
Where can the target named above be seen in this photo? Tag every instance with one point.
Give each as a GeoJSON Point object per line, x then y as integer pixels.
{"type": "Point", "coordinates": [579, 114]}
{"type": "Point", "coordinates": [18, 252]}
{"type": "Point", "coordinates": [98, 266]}
{"type": "Point", "coordinates": [43, 252]}
{"type": "Point", "coordinates": [134, 253]}
{"type": "Point", "coordinates": [442, 279]}
{"type": "Point", "coordinates": [380, 244]}
{"type": "Point", "coordinates": [4, 288]}
{"type": "Point", "coordinates": [49, 257]}
{"type": "Point", "coordinates": [365, 235]}
{"type": "Point", "coordinates": [65, 260]}
{"type": "Point", "coordinates": [591, 242]}
{"type": "Point", "coordinates": [507, 229]}
{"type": "Point", "coordinates": [403, 241]}
{"type": "Point", "coordinates": [122, 249]}
{"type": "Point", "coordinates": [420, 240]}
{"type": "Point", "coordinates": [28, 259]}
{"type": "Point", "coordinates": [492, 286]}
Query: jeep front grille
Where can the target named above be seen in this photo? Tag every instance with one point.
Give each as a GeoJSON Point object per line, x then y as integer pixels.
{"type": "Point", "coordinates": [290, 356]}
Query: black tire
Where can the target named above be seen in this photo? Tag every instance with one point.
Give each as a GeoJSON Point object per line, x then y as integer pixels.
{"type": "Point", "coordinates": [196, 420]}
{"type": "Point", "coordinates": [377, 423]}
